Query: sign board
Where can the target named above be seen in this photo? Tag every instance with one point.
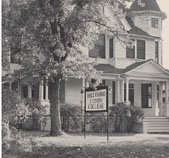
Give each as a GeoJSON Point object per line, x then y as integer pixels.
{"type": "Point", "coordinates": [96, 100]}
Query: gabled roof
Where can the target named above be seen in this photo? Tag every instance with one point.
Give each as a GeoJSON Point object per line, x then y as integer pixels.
{"type": "Point", "coordinates": [135, 65]}
{"type": "Point", "coordinates": [148, 67]}
{"type": "Point", "coordinates": [134, 29]}
{"type": "Point", "coordinates": [107, 68]}
{"type": "Point", "coordinates": [145, 5]}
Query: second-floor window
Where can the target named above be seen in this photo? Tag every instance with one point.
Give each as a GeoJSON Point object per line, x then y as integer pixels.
{"type": "Point", "coordinates": [130, 51]}
{"type": "Point", "coordinates": [111, 47]}
{"type": "Point", "coordinates": [154, 22]}
{"type": "Point", "coordinates": [137, 50]}
{"type": "Point", "coordinates": [156, 52]}
{"type": "Point", "coordinates": [140, 49]}
{"type": "Point", "coordinates": [99, 50]}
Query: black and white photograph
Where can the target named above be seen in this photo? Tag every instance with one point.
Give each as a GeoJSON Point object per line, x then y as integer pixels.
{"type": "Point", "coordinates": [84, 79]}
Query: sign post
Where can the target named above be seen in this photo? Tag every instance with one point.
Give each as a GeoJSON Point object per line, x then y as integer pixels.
{"type": "Point", "coordinates": [96, 100]}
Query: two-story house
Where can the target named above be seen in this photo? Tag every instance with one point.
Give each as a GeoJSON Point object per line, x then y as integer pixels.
{"type": "Point", "coordinates": [134, 74]}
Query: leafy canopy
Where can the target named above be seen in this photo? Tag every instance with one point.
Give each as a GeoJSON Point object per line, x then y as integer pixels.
{"type": "Point", "coordinates": [54, 36]}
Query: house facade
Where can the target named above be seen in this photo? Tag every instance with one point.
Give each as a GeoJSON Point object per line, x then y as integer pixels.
{"type": "Point", "coordinates": [134, 73]}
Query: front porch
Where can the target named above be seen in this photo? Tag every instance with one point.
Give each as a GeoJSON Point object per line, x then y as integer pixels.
{"type": "Point", "coordinates": [143, 84]}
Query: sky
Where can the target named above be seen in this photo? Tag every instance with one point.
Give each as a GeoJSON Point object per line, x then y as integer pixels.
{"type": "Point", "coordinates": [164, 6]}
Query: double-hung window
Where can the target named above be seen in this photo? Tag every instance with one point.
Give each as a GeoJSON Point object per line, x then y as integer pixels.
{"type": "Point", "coordinates": [156, 52]}
{"type": "Point", "coordinates": [130, 50]}
{"type": "Point", "coordinates": [154, 22]}
{"type": "Point", "coordinates": [111, 47]}
{"type": "Point", "coordinates": [146, 95]}
{"type": "Point", "coordinates": [140, 49]}
{"type": "Point", "coordinates": [99, 49]}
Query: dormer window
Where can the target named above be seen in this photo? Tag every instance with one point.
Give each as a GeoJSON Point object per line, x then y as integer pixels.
{"type": "Point", "coordinates": [154, 22]}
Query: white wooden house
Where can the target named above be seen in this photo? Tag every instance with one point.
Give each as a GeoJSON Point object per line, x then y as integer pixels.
{"type": "Point", "coordinates": [134, 75]}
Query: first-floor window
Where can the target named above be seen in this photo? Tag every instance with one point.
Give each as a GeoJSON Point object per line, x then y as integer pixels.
{"type": "Point", "coordinates": [146, 95]}
{"type": "Point", "coordinates": [113, 92]}
{"type": "Point", "coordinates": [24, 91]}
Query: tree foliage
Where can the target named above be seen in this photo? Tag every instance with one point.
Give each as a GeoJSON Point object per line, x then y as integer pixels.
{"type": "Point", "coordinates": [52, 38]}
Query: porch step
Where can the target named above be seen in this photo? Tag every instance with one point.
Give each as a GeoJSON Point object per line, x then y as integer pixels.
{"type": "Point", "coordinates": [156, 125]}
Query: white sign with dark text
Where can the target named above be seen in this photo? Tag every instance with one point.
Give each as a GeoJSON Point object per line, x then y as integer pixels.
{"type": "Point", "coordinates": [96, 100]}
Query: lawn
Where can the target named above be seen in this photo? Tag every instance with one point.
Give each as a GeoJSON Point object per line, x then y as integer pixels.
{"type": "Point", "coordinates": [95, 146]}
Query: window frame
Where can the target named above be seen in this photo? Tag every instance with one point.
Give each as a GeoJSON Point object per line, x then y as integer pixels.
{"type": "Point", "coordinates": [137, 50]}
{"type": "Point", "coordinates": [92, 54]}
{"type": "Point", "coordinates": [154, 22]}
{"type": "Point", "coordinates": [146, 95]}
{"type": "Point", "coordinates": [131, 49]}
{"type": "Point", "coordinates": [157, 52]}
{"type": "Point", "coordinates": [111, 47]}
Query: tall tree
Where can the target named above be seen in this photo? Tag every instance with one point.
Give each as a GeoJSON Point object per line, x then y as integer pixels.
{"type": "Point", "coordinates": [55, 36]}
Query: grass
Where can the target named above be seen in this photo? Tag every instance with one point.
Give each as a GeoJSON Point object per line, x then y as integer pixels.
{"type": "Point", "coordinates": [94, 146]}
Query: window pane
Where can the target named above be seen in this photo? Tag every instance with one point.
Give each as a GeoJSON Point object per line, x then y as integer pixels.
{"type": "Point", "coordinates": [24, 91]}
{"type": "Point", "coordinates": [113, 92]}
{"type": "Point", "coordinates": [130, 51]}
{"type": "Point", "coordinates": [140, 49]}
{"type": "Point", "coordinates": [146, 95]}
{"type": "Point", "coordinates": [15, 86]}
{"type": "Point", "coordinates": [99, 49]}
{"type": "Point", "coordinates": [111, 51]}
{"type": "Point", "coordinates": [154, 22]}
{"type": "Point", "coordinates": [156, 52]}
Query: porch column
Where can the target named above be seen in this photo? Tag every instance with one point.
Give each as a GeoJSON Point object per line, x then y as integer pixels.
{"type": "Point", "coordinates": [83, 92]}
{"type": "Point", "coordinates": [122, 90]}
{"type": "Point", "coordinates": [118, 91]}
{"type": "Point", "coordinates": [166, 97]}
{"type": "Point", "coordinates": [127, 90]}
{"type": "Point", "coordinates": [29, 91]}
{"type": "Point", "coordinates": [41, 90]}
{"type": "Point", "coordinates": [46, 94]}
{"type": "Point", "coordinates": [155, 99]}
{"type": "Point", "coordinates": [160, 99]}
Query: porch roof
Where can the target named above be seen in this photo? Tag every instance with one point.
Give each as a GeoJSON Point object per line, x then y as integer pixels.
{"type": "Point", "coordinates": [107, 68]}
{"type": "Point", "coordinates": [146, 68]}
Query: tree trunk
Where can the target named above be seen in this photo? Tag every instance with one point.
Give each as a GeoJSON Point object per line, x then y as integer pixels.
{"type": "Point", "coordinates": [55, 108]}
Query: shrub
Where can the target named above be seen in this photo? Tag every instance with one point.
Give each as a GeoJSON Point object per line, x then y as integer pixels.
{"type": "Point", "coordinates": [97, 122]}
{"type": "Point", "coordinates": [37, 113]}
{"type": "Point", "coordinates": [15, 113]}
{"type": "Point", "coordinates": [71, 117]}
{"type": "Point", "coordinates": [136, 114]}
{"type": "Point", "coordinates": [125, 116]}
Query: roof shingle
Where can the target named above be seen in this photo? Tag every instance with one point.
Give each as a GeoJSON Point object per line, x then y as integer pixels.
{"type": "Point", "coordinates": [107, 68]}
{"type": "Point", "coordinates": [135, 30]}
{"type": "Point", "coordinates": [146, 5]}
